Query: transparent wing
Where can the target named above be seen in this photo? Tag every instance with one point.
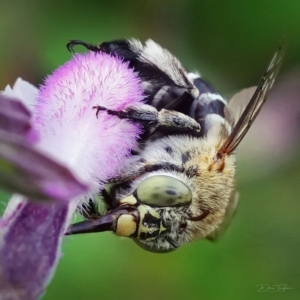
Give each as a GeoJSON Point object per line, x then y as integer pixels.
{"type": "Point", "coordinates": [255, 104]}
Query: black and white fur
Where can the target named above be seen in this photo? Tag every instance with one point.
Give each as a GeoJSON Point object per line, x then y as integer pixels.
{"type": "Point", "coordinates": [166, 84]}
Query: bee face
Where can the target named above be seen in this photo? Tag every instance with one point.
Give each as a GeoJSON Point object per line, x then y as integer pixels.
{"type": "Point", "coordinates": [179, 186]}
{"type": "Point", "coordinates": [191, 202]}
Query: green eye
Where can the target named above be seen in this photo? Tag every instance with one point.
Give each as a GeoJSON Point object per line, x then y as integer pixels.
{"type": "Point", "coordinates": [162, 190]}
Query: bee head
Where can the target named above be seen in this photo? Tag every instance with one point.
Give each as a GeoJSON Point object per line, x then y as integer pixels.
{"type": "Point", "coordinates": [152, 215]}
{"type": "Point", "coordinates": [161, 201]}
{"type": "Point", "coordinates": [172, 211]}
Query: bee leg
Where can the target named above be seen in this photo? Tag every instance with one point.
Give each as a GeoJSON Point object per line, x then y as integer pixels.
{"type": "Point", "coordinates": [151, 119]}
{"type": "Point", "coordinates": [90, 47]}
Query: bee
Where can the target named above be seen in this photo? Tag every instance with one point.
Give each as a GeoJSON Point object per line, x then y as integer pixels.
{"type": "Point", "coordinates": [179, 185]}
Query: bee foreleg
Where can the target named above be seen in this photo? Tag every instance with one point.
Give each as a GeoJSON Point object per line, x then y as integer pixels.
{"type": "Point", "coordinates": [174, 119]}
{"type": "Point", "coordinates": [151, 118]}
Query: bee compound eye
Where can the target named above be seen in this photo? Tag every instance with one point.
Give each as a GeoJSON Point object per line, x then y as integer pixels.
{"type": "Point", "coordinates": [163, 190]}
{"type": "Point", "coordinates": [126, 225]}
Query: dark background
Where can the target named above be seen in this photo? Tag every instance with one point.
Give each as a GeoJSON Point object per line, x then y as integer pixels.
{"type": "Point", "coordinates": [230, 43]}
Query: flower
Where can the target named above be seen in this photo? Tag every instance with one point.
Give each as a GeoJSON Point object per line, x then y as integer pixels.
{"type": "Point", "coordinates": [53, 147]}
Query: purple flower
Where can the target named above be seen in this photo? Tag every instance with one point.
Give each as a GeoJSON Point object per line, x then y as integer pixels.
{"type": "Point", "coordinates": [53, 148]}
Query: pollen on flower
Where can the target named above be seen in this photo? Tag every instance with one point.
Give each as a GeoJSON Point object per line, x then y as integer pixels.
{"type": "Point", "coordinates": [67, 121]}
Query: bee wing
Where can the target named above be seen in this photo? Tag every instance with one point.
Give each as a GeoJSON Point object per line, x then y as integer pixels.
{"type": "Point", "coordinates": [251, 111]}
{"type": "Point", "coordinates": [237, 104]}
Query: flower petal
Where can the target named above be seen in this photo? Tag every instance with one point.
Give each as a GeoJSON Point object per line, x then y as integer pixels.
{"type": "Point", "coordinates": [24, 91]}
{"type": "Point", "coordinates": [26, 171]}
{"type": "Point", "coordinates": [14, 116]}
{"type": "Point", "coordinates": [30, 243]}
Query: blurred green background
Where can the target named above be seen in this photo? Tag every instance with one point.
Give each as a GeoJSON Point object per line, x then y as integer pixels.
{"type": "Point", "coordinates": [230, 43]}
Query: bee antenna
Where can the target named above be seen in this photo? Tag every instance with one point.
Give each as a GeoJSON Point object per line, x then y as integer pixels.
{"type": "Point", "coordinates": [201, 217]}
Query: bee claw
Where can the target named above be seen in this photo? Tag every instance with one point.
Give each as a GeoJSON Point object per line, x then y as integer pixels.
{"type": "Point", "coordinates": [91, 47]}
{"type": "Point", "coordinates": [98, 109]}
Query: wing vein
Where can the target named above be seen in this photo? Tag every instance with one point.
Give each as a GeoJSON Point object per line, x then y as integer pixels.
{"type": "Point", "coordinates": [254, 106]}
